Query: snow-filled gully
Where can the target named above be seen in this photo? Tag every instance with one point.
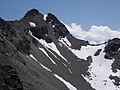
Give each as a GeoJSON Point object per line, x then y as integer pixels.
{"type": "Point", "coordinates": [51, 46]}
{"type": "Point", "coordinates": [100, 68]}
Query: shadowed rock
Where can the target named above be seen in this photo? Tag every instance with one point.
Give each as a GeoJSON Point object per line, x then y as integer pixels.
{"type": "Point", "coordinates": [32, 13]}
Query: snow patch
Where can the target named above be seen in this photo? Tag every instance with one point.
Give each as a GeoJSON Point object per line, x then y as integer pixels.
{"type": "Point", "coordinates": [52, 53]}
{"type": "Point", "coordinates": [45, 16]}
{"type": "Point", "coordinates": [85, 50]}
{"type": "Point", "coordinates": [47, 55]}
{"type": "Point", "coordinates": [100, 70]}
{"type": "Point", "coordinates": [65, 41]}
{"type": "Point", "coordinates": [70, 86]}
{"type": "Point", "coordinates": [45, 67]}
{"type": "Point", "coordinates": [70, 71]}
{"type": "Point", "coordinates": [32, 24]}
{"type": "Point", "coordinates": [53, 26]}
{"type": "Point", "coordinates": [65, 65]}
{"type": "Point", "coordinates": [31, 56]}
{"type": "Point", "coordinates": [60, 44]}
{"type": "Point", "coordinates": [53, 47]}
{"type": "Point", "coordinates": [119, 49]}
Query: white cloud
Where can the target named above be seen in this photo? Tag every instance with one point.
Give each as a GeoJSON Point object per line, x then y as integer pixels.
{"type": "Point", "coordinates": [96, 34]}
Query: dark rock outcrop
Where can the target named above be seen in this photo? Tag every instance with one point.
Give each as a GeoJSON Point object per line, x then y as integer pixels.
{"type": "Point", "coordinates": [112, 48]}
{"type": "Point", "coordinates": [59, 29]}
{"type": "Point", "coordinates": [9, 79]}
{"type": "Point", "coordinates": [89, 59]}
{"type": "Point", "coordinates": [116, 80]}
{"type": "Point", "coordinates": [32, 13]}
{"type": "Point", "coordinates": [77, 43]}
{"type": "Point", "coordinates": [97, 52]}
{"type": "Point", "coordinates": [112, 52]}
{"type": "Point", "coordinates": [41, 33]}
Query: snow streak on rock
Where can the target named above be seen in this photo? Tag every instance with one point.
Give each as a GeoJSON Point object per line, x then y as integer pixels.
{"type": "Point", "coordinates": [52, 53]}
{"type": "Point", "coordinates": [65, 42]}
{"type": "Point", "coordinates": [47, 55]}
{"type": "Point", "coordinates": [31, 56]}
{"type": "Point", "coordinates": [51, 46]}
{"type": "Point", "coordinates": [70, 86]}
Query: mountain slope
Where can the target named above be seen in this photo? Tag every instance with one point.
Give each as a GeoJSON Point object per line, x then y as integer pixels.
{"type": "Point", "coordinates": [38, 53]}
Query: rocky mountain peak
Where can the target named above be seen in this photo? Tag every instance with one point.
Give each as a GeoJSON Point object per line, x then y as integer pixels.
{"type": "Point", "coordinates": [52, 18]}
{"type": "Point", "coordinates": [59, 28]}
{"type": "Point", "coordinates": [32, 13]}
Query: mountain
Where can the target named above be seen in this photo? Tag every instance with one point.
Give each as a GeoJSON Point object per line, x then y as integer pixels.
{"type": "Point", "coordinates": [37, 52]}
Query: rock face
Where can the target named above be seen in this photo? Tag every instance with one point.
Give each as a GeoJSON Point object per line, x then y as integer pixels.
{"type": "Point", "coordinates": [112, 52]}
{"type": "Point", "coordinates": [59, 29]}
{"type": "Point", "coordinates": [9, 78]}
{"type": "Point", "coordinates": [38, 53]}
{"type": "Point", "coordinates": [32, 13]}
{"type": "Point", "coordinates": [112, 47]}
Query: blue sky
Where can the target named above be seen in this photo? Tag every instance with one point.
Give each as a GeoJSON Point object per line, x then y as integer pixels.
{"type": "Point", "coordinates": [83, 12]}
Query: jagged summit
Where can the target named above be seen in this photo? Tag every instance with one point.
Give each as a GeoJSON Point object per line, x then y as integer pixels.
{"type": "Point", "coordinates": [59, 28]}
{"type": "Point", "coordinates": [32, 13]}
{"type": "Point", "coordinates": [52, 18]}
